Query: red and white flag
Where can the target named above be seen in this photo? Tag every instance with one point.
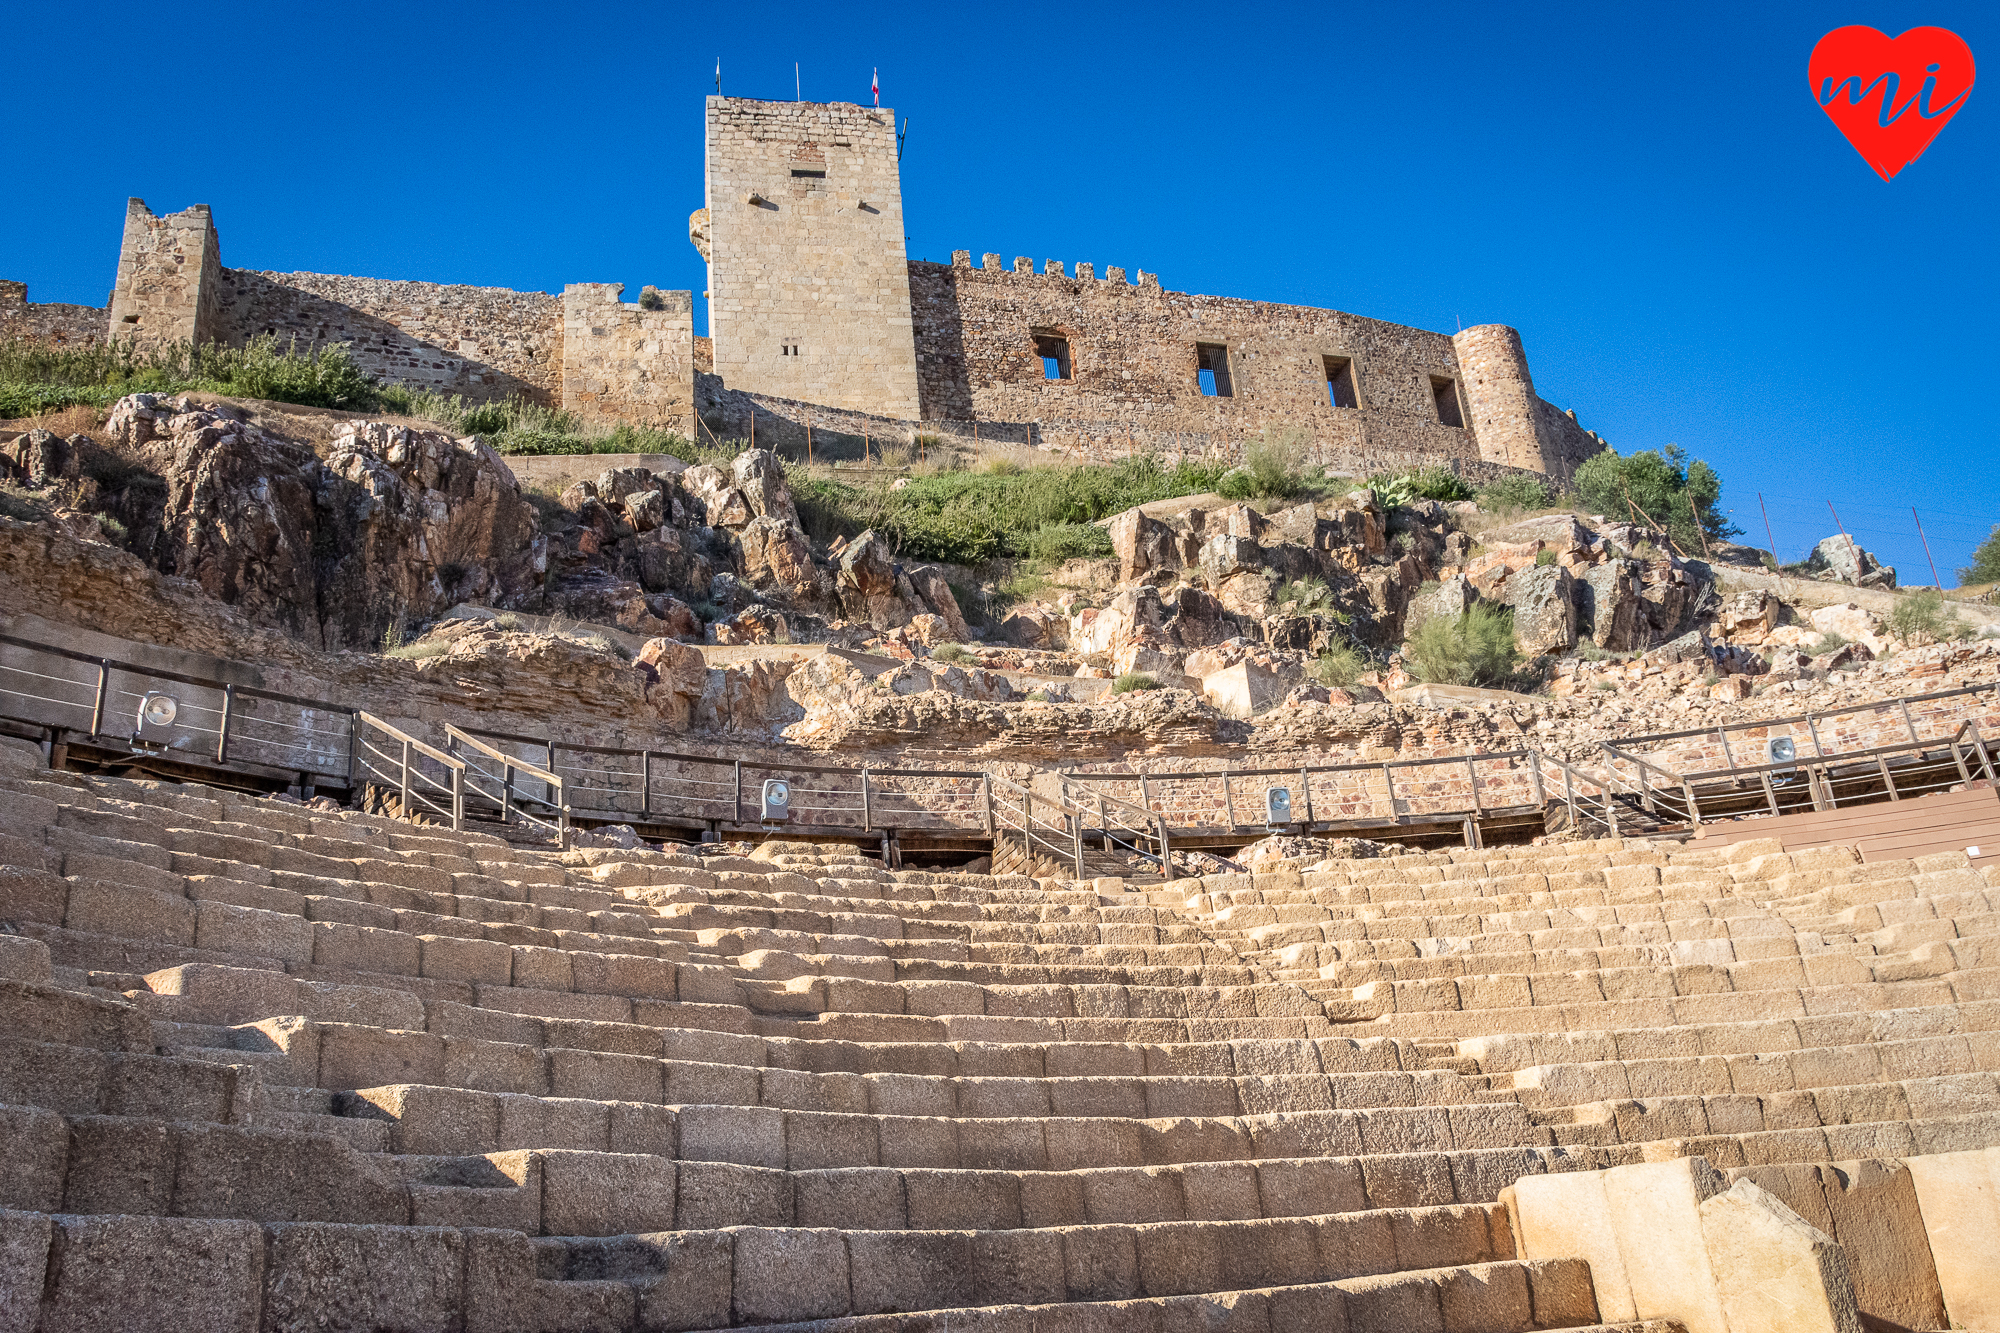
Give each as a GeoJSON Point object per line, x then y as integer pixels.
{"type": "Point", "coordinates": [875, 86]}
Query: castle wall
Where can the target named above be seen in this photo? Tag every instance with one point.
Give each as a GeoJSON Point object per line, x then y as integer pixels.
{"type": "Point", "coordinates": [621, 362]}
{"type": "Point", "coordinates": [483, 343]}
{"type": "Point", "coordinates": [168, 287]}
{"type": "Point", "coordinates": [54, 322]}
{"type": "Point", "coordinates": [1134, 362]}
{"type": "Point", "coordinates": [809, 284]}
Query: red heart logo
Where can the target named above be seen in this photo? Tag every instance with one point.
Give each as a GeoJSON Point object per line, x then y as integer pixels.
{"type": "Point", "coordinates": [1890, 96]}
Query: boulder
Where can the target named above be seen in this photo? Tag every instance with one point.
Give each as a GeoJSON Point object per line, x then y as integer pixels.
{"type": "Point", "coordinates": [1852, 623]}
{"type": "Point", "coordinates": [1245, 690]}
{"type": "Point", "coordinates": [1730, 553]}
{"type": "Point", "coordinates": [1225, 555]}
{"type": "Point", "coordinates": [1143, 545]}
{"type": "Point", "coordinates": [760, 477]}
{"type": "Point", "coordinates": [777, 558]}
{"type": "Point", "coordinates": [1608, 608]}
{"type": "Point", "coordinates": [1499, 562]}
{"type": "Point", "coordinates": [38, 458]}
{"type": "Point", "coordinates": [677, 673]}
{"type": "Point", "coordinates": [933, 590]}
{"type": "Point", "coordinates": [1749, 616]}
{"type": "Point", "coordinates": [1198, 618]}
{"type": "Point", "coordinates": [1245, 594]}
{"type": "Point", "coordinates": [1555, 532]}
{"type": "Point", "coordinates": [1839, 559]}
{"type": "Point", "coordinates": [1544, 602]}
{"type": "Point", "coordinates": [753, 624]}
{"type": "Point", "coordinates": [1361, 521]}
{"type": "Point", "coordinates": [1451, 599]}
{"type": "Point", "coordinates": [646, 510]}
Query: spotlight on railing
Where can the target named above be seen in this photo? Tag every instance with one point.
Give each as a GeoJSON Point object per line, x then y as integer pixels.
{"type": "Point", "coordinates": [1277, 807]}
{"type": "Point", "coordinates": [1781, 750]}
{"type": "Point", "coordinates": [157, 712]}
{"type": "Point", "coordinates": [777, 801]}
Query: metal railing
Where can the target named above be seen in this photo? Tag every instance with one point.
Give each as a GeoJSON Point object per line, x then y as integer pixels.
{"type": "Point", "coordinates": [1135, 829]}
{"type": "Point", "coordinates": [215, 722]}
{"type": "Point", "coordinates": [647, 786]}
{"type": "Point", "coordinates": [511, 797]}
{"type": "Point", "coordinates": [421, 774]}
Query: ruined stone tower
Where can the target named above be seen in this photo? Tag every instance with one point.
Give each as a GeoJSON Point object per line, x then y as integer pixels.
{"type": "Point", "coordinates": [808, 281]}
{"type": "Point", "coordinates": [169, 277]}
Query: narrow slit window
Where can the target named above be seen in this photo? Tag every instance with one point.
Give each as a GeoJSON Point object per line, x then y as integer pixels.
{"type": "Point", "coordinates": [1053, 349]}
{"type": "Point", "coordinates": [1444, 391]}
{"type": "Point", "coordinates": [1340, 387]}
{"type": "Point", "coordinates": [1212, 370]}
{"type": "Point", "coordinates": [801, 174]}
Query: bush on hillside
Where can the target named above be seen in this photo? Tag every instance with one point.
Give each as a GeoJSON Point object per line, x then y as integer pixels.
{"type": "Point", "coordinates": [1515, 492]}
{"type": "Point", "coordinates": [1922, 617]}
{"type": "Point", "coordinates": [1476, 648]}
{"type": "Point", "coordinates": [37, 375]}
{"type": "Point", "coordinates": [1665, 486]}
{"type": "Point", "coordinates": [1338, 666]}
{"type": "Point", "coordinates": [1134, 680]}
{"type": "Point", "coordinates": [1985, 566]}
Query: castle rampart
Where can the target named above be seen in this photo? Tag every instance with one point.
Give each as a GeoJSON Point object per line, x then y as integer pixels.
{"type": "Point", "coordinates": [819, 320]}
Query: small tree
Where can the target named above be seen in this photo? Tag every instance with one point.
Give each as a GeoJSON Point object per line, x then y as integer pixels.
{"type": "Point", "coordinates": [1985, 566]}
{"type": "Point", "coordinates": [1665, 486]}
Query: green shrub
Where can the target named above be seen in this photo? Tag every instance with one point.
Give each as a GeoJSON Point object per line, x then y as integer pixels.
{"type": "Point", "coordinates": [1272, 467]}
{"type": "Point", "coordinates": [1827, 643]}
{"type": "Point", "coordinates": [1068, 541]}
{"type": "Point", "coordinates": [1663, 485]}
{"type": "Point", "coordinates": [1038, 696]}
{"type": "Point", "coordinates": [41, 376]}
{"type": "Point", "coordinates": [1985, 566]}
{"type": "Point", "coordinates": [1134, 680]}
{"type": "Point", "coordinates": [1306, 596]}
{"type": "Point", "coordinates": [1544, 557]}
{"type": "Point", "coordinates": [1476, 648]}
{"type": "Point", "coordinates": [1922, 617]}
{"type": "Point", "coordinates": [1437, 482]}
{"type": "Point", "coordinates": [949, 653]}
{"type": "Point", "coordinates": [1516, 492]}
{"type": "Point", "coordinates": [1338, 666]}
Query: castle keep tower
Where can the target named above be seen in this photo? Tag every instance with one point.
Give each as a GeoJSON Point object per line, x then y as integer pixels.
{"type": "Point", "coordinates": [169, 277]}
{"type": "Point", "coordinates": [808, 282]}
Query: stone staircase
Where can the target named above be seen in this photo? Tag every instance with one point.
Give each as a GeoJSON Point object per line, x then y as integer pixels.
{"type": "Point", "coordinates": [275, 1067]}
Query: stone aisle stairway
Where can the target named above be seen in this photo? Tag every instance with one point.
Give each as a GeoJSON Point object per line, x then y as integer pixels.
{"type": "Point", "coordinates": [265, 1066]}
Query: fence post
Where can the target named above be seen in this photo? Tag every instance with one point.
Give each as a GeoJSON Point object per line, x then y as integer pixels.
{"type": "Point", "coordinates": [228, 713]}
{"type": "Point", "coordinates": [738, 811]}
{"type": "Point", "coordinates": [1389, 781]}
{"type": "Point", "coordinates": [1228, 800]}
{"type": "Point", "coordinates": [506, 792]}
{"type": "Point", "coordinates": [1888, 782]}
{"type": "Point", "coordinates": [986, 788]}
{"type": "Point", "coordinates": [1909, 721]}
{"type": "Point", "coordinates": [1473, 774]}
{"type": "Point", "coordinates": [646, 784]}
{"type": "Point", "coordinates": [457, 800]}
{"type": "Point", "coordinates": [1535, 771]}
{"type": "Point", "coordinates": [1694, 810]}
{"type": "Point", "coordinates": [353, 749]}
{"type": "Point", "coordinates": [865, 812]}
{"type": "Point", "coordinates": [97, 708]}
{"type": "Point", "coordinates": [1306, 793]}
{"type": "Point", "coordinates": [1166, 852]}
{"type": "Point", "coordinates": [1076, 840]}
{"type": "Point", "coordinates": [405, 788]}
{"type": "Point", "coordinates": [1985, 759]}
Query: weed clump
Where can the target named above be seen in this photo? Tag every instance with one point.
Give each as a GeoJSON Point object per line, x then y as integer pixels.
{"type": "Point", "coordinates": [1135, 680]}
{"type": "Point", "coordinates": [1338, 666]}
{"type": "Point", "coordinates": [1514, 493]}
{"type": "Point", "coordinates": [1476, 648]}
{"type": "Point", "coordinates": [1922, 617]}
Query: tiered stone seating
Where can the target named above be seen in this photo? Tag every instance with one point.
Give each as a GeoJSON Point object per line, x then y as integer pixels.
{"type": "Point", "coordinates": [266, 1065]}
{"type": "Point", "coordinates": [1742, 1004]}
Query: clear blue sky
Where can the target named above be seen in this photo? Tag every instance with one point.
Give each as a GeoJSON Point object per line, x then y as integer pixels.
{"type": "Point", "coordinates": [1690, 250]}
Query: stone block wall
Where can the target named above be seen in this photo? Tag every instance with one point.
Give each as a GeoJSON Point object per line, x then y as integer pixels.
{"type": "Point", "coordinates": [484, 343]}
{"type": "Point", "coordinates": [809, 284]}
{"type": "Point", "coordinates": [622, 362]}
{"type": "Point", "coordinates": [54, 322]}
{"type": "Point", "coordinates": [1134, 357]}
{"type": "Point", "coordinates": [169, 271]}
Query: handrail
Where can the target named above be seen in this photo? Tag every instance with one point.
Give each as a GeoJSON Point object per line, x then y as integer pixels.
{"type": "Point", "coordinates": [1895, 702]}
{"type": "Point", "coordinates": [454, 733]}
{"type": "Point", "coordinates": [409, 779]}
{"type": "Point", "coordinates": [177, 677]}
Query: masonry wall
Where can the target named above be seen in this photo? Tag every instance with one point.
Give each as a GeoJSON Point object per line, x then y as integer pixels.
{"type": "Point", "coordinates": [621, 362]}
{"type": "Point", "coordinates": [1134, 363]}
{"type": "Point", "coordinates": [484, 343]}
{"type": "Point", "coordinates": [168, 270]}
{"type": "Point", "coordinates": [54, 321]}
{"type": "Point", "coordinates": [804, 236]}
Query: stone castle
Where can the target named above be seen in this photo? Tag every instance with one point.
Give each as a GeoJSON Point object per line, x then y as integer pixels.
{"type": "Point", "coordinates": [819, 317]}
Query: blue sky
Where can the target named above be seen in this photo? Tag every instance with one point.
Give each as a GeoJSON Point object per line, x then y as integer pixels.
{"type": "Point", "coordinates": [1691, 251]}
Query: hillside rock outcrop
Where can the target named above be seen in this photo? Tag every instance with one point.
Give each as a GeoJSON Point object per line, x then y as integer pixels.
{"type": "Point", "coordinates": [394, 525]}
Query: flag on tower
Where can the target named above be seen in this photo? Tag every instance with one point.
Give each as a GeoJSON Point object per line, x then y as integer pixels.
{"type": "Point", "coordinates": [875, 86]}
